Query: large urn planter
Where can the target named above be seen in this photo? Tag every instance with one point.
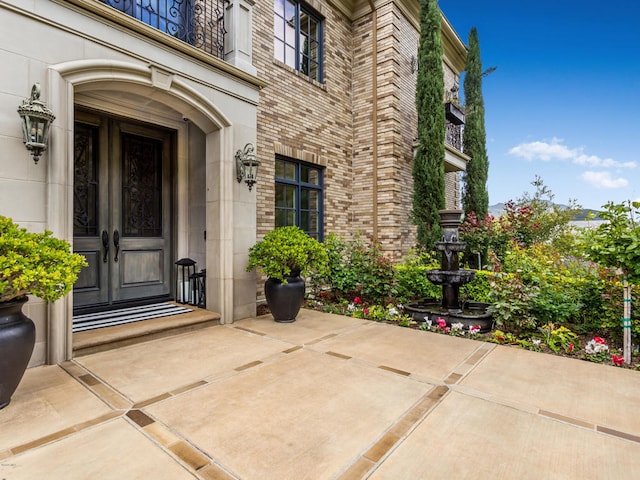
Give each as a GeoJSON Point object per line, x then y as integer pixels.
{"type": "Point", "coordinates": [32, 264]}
{"type": "Point", "coordinates": [17, 339]}
{"type": "Point", "coordinates": [283, 256]}
{"type": "Point", "coordinates": [285, 299]}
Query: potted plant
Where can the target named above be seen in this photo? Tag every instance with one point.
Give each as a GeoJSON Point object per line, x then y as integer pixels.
{"type": "Point", "coordinates": [284, 255]}
{"type": "Point", "coordinates": [30, 263]}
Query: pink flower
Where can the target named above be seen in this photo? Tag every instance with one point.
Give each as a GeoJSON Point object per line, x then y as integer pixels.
{"type": "Point", "coordinates": [617, 360]}
{"type": "Point", "coordinates": [365, 311]}
{"type": "Point", "coordinates": [600, 340]}
{"type": "Point", "coordinates": [441, 322]}
{"type": "Point", "coordinates": [357, 300]}
{"type": "Point", "coordinates": [447, 330]}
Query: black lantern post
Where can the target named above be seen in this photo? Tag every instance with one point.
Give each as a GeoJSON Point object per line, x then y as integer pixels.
{"type": "Point", "coordinates": [185, 269]}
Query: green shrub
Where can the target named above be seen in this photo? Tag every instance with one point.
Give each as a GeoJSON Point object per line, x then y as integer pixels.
{"type": "Point", "coordinates": [511, 300]}
{"type": "Point", "coordinates": [411, 282]}
{"type": "Point", "coordinates": [479, 289]}
{"type": "Point", "coordinates": [287, 249]}
{"type": "Point", "coordinates": [35, 263]}
{"type": "Point", "coordinates": [356, 268]}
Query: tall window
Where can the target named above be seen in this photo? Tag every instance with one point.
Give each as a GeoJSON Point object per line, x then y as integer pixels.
{"type": "Point", "coordinates": [299, 190]}
{"type": "Point", "coordinates": [298, 37]}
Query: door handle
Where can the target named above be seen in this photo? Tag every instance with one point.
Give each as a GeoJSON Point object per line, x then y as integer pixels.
{"type": "Point", "coordinates": [105, 246]}
{"type": "Point", "coordinates": [116, 243]}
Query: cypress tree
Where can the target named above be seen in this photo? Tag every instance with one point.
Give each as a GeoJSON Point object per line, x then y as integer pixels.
{"type": "Point", "coordinates": [475, 197]}
{"type": "Point", "coordinates": [428, 166]}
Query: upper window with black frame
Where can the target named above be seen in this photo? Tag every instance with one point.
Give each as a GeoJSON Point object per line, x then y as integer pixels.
{"type": "Point", "coordinates": [297, 38]}
{"type": "Point", "coordinates": [299, 191]}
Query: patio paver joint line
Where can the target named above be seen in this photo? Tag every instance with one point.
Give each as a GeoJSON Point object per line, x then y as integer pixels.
{"type": "Point", "coordinates": [394, 370]}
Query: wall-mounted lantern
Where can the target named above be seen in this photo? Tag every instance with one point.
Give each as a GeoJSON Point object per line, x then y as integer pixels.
{"type": "Point", "coordinates": [36, 121]}
{"type": "Point", "coordinates": [247, 165]}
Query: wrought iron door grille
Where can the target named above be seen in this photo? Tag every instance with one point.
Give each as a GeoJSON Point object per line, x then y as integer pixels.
{"type": "Point", "coordinates": [197, 22]}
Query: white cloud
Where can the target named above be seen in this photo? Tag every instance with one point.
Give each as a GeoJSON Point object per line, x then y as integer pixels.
{"type": "Point", "coordinates": [556, 150]}
{"type": "Point", "coordinates": [604, 180]}
{"type": "Point", "coordinates": [542, 150]}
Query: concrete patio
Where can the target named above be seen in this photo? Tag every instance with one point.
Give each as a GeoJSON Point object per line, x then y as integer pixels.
{"type": "Point", "coordinates": [327, 397]}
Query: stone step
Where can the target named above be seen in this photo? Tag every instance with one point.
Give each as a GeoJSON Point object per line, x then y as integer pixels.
{"type": "Point", "coordinates": [101, 339]}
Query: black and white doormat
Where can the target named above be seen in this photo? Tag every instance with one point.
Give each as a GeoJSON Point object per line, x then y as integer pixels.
{"type": "Point", "coordinates": [110, 318]}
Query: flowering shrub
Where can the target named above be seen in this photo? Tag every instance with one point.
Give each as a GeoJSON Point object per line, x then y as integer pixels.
{"type": "Point", "coordinates": [482, 236]}
{"type": "Point", "coordinates": [597, 350]}
{"type": "Point", "coordinates": [378, 313]}
{"type": "Point", "coordinates": [502, 338]}
{"type": "Point", "coordinates": [597, 345]}
{"type": "Point", "coordinates": [456, 329]}
{"type": "Point", "coordinates": [617, 360]}
{"type": "Point", "coordinates": [511, 300]}
{"type": "Point", "coordinates": [358, 267]}
{"type": "Point", "coordinates": [559, 338]}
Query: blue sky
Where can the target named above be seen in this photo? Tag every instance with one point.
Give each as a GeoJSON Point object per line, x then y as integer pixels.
{"type": "Point", "coordinates": [564, 102]}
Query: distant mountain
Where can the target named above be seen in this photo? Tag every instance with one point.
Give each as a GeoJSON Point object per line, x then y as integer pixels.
{"type": "Point", "coordinates": [498, 209]}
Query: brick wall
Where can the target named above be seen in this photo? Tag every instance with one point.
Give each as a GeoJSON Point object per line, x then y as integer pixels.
{"type": "Point", "coordinates": [306, 120]}
{"type": "Point", "coordinates": [367, 160]}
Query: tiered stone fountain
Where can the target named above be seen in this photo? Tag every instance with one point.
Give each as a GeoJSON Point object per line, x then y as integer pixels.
{"type": "Point", "coordinates": [451, 277]}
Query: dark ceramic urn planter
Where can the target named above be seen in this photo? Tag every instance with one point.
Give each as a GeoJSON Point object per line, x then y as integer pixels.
{"type": "Point", "coordinates": [17, 339]}
{"type": "Point", "coordinates": [285, 299]}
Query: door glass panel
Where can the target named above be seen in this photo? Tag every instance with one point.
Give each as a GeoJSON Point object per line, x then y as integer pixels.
{"type": "Point", "coordinates": [85, 181]}
{"type": "Point", "coordinates": [141, 186]}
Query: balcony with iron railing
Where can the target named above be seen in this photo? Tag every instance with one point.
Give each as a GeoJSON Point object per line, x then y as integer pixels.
{"type": "Point", "coordinates": [216, 32]}
{"type": "Point", "coordinates": [453, 135]}
{"type": "Point", "coordinates": [200, 23]}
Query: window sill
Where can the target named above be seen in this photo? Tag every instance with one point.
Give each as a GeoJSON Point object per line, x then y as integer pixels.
{"type": "Point", "coordinates": [300, 75]}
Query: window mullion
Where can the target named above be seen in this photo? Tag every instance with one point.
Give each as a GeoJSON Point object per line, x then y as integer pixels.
{"type": "Point", "coordinates": [297, 36]}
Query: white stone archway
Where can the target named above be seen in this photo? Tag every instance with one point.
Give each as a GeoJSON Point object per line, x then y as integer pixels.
{"type": "Point", "coordinates": [142, 87]}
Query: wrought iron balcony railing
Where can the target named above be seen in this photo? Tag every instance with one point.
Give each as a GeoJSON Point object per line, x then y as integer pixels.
{"type": "Point", "coordinates": [197, 22]}
{"type": "Point", "coordinates": [454, 135]}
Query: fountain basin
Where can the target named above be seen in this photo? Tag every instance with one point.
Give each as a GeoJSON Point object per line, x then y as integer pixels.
{"type": "Point", "coordinates": [450, 277]}
{"type": "Point", "coordinates": [472, 314]}
{"type": "Point", "coordinates": [451, 246]}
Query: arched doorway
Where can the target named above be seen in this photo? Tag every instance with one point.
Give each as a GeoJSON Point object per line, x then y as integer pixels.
{"type": "Point", "coordinates": [140, 101]}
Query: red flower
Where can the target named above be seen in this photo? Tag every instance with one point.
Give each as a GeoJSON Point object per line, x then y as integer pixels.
{"type": "Point", "coordinates": [600, 340]}
{"type": "Point", "coordinates": [357, 300]}
{"type": "Point", "coordinates": [365, 311]}
{"type": "Point", "coordinates": [571, 346]}
{"type": "Point", "coordinates": [617, 360]}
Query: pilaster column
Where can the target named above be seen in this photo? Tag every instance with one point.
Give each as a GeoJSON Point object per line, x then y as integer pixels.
{"type": "Point", "coordinates": [238, 21]}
